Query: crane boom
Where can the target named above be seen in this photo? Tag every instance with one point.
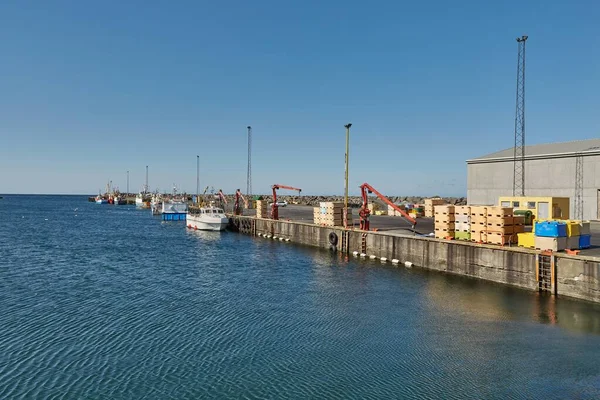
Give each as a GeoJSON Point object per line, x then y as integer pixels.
{"type": "Point", "coordinates": [222, 196]}
{"type": "Point", "coordinates": [236, 206]}
{"type": "Point", "coordinates": [365, 212]}
{"type": "Point", "coordinates": [274, 207]}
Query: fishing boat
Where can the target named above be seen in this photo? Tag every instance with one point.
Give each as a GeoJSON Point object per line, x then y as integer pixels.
{"type": "Point", "coordinates": [144, 197]}
{"type": "Point", "coordinates": [173, 210]}
{"type": "Point", "coordinates": [101, 200]}
{"type": "Point", "coordinates": [120, 200]}
{"type": "Point", "coordinates": [208, 218]}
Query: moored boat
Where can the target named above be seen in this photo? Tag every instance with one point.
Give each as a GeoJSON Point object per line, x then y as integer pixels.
{"type": "Point", "coordinates": [209, 218]}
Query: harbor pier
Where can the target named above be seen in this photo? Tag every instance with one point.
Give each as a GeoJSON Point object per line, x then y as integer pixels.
{"type": "Point", "coordinates": [560, 274]}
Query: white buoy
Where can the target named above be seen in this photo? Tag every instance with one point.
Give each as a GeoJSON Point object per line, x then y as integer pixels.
{"type": "Point", "coordinates": [287, 239]}
{"type": "Point", "coordinates": [372, 257]}
{"type": "Point", "coordinates": [281, 239]}
{"type": "Point", "coordinates": [408, 264]}
{"type": "Point", "coordinates": [395, 261]}
{"type": "Point", "coordinates": [355, 253]}
{"type": "Point", "coordinates": [383, 259]}
{"type": "Point", "coordinates": [363, 255]}
{"type": "Point", "coordinates": [268, 236]}
{"type": "Point", "coordinates": [259, 235]}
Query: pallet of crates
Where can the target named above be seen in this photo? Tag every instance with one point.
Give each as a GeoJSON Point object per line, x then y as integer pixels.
{"type": "Point", "coordinates": [444, 222]}
{"type": "Point", "coordinates": [478, 224]}
{"type": "Point", "coordinates": [332, 214]}
{"type": "Point", "coordinates": [462, 223]}
{"type": "Point", "coordinates": [500, 226]}
{"type": "Point", "coordinates": [392, 211]}
{"type": "Point", "coordinates": [262, 210]}
{"type": "Point", "coordinates": [550, 235]}
{"type": "Point", "coordinates": [317, 215]}
{"type": "Point", "coordinates": [585, 238]}
{"type": "Point", "coordinates": [430, 204]}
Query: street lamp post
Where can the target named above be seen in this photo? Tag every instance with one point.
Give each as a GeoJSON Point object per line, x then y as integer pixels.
{"type": "Point", "coordinates": [347, 126]}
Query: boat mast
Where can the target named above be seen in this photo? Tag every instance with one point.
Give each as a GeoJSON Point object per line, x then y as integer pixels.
{"type": "Point", "coordinates": [197, 179]}
{"type": "Point", "coordinates": [146, 188]}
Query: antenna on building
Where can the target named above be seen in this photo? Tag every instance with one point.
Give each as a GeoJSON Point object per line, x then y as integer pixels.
{"type": "Point", "coordinates": [578, 187]}
{"type": "Point", "coordinates": [249, 175]}
{"type": "Point", "coordinates": [519, 149]}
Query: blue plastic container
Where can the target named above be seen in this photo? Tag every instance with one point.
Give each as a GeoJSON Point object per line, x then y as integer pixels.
{"type": "Point", "coordinates": [551, 229]}
{"type": "Point", "coordinates": [585, 241]}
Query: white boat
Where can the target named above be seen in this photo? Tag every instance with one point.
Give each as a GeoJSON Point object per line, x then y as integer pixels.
{"type": "Point", "coordinates": [142, 200]}
{"type": "Point", "coordinates": [208, 219]}
{"type": "Point", "coordinates": [101, 200]}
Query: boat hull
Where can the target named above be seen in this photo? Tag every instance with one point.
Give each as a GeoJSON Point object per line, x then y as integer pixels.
{"type": "Point", "coordinates": [140, 203]}
{"type": "Point", "coordinates": [204, 224]}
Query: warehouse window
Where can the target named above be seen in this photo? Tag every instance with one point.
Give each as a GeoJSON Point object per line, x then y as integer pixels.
{"type": "Point", "coordinates": [531, 205]}
{"type": "Point", "coordinates": [516, 204]}
{"type": "Point", "coordinates": [505, 204]}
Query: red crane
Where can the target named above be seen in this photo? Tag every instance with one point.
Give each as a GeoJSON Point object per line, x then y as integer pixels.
{"type": "Point", "coordinates": [364, 212]}
{"type": "Point", "coordinates": [222, 196]}
{"type": "Point", "coordinates": [274, 207]}
{"type": "Point", "coordinates": [237, 209]}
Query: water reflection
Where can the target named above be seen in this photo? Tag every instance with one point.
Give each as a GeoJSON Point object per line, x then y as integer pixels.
{"type": "Point", "coordinates": [209, 236]}
{"type": "Point", "coordinates": [485, 301]}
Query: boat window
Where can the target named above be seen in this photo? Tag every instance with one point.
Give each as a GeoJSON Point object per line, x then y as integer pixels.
{"type": "Point", "coordinates": [220, 211]}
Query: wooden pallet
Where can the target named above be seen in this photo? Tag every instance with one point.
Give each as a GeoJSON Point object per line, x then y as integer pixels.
{"type": "Point", "coordinates": [499, 212]}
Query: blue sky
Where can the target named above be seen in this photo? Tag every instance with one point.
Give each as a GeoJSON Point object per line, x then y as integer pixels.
{"type": "Point", "coordinates": [93, 89]}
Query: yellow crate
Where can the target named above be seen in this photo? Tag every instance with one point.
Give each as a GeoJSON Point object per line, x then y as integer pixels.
{"type": "Point", "coordinates": [526, 240]}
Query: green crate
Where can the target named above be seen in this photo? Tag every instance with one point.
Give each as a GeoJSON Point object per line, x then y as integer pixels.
{"type": "Point", "coordinates": [462, 235]}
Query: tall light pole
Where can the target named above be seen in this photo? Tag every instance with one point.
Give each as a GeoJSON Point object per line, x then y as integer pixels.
{"type": "Point", "coordinates": [347, 126]}
{"type": "Point", "coordinates": [197, 179]}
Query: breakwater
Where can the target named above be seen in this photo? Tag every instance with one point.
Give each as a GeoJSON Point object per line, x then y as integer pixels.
{"type": "Point", "coordinates": [558, 274]}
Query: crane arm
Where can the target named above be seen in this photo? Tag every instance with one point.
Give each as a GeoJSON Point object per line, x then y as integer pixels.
{"type": "Point", "coordinates": [238, 194]}
{"type": "Point", "coordinates": [222, 196]}
{"type": "Point", "coordinates": [274, 208]}
{"type": "Point", "coordinates": [277, 186]}
{"type": "Point", "coordinates": [365, 187]}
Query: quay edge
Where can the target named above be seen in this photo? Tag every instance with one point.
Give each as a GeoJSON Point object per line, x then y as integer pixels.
{"type": "Point", "coordinates": [567, 275]}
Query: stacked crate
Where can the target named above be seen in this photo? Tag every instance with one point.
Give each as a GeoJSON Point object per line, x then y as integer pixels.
{"type": "Point", "coordinates": [502, 226]}
{"type": "Point", "coordinates": [462, 222]}
{"type": "Point", "coordinates": [550, 235]}
{"type": "Point", "coordinates": [430, 204]}
{"type": "Point", "coordinates": [331, 214]}
{"type": "Point", "coordinates": [478, 224]}
{"type": "Point", "coordinates": [262, 209]}
{"type": "Point", "coordinates": [393, 212]}
{"type": "Point", "coordinates": [557, 235]}
{"type": "Point", "coordinates": [585, 238]}
{"type": "Point", "coordinates": [444, 221]}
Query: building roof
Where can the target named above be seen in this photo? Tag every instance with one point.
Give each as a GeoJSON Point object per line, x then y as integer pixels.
{"type": "Point", "coordinates": [545, 150]}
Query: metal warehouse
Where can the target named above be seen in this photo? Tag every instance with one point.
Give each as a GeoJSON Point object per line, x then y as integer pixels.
{"type": "Point", "coordinates": [553, 169]}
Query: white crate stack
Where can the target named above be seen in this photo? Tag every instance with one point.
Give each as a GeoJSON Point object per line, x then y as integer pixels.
{"type": "Point", "coordinates": [331, 213]}
{"type": "Point", "coordinates": [462, 218]}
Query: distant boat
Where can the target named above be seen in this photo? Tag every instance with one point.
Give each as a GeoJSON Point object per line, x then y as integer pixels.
{"type": "Point", "coordinates": [119, 200]}
{"type": "Point", "coordinates": [101, 200]}
{"type": "Point", "coordinates": [142, 200]}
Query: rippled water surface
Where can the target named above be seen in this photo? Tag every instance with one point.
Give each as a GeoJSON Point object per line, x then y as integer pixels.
{"type": "Point", "coordinates": [107, 302]}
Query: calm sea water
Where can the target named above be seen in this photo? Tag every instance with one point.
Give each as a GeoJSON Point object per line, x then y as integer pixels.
{"type": "Point", "coordinates": [107, 302]}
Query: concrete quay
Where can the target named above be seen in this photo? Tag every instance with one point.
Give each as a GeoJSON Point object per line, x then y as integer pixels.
{"type": "Point", "coordinates": [557, 273]}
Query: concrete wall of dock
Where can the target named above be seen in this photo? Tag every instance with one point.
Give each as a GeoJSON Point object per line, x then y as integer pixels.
{"type": "Point", "coordinates": [576, 276]}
